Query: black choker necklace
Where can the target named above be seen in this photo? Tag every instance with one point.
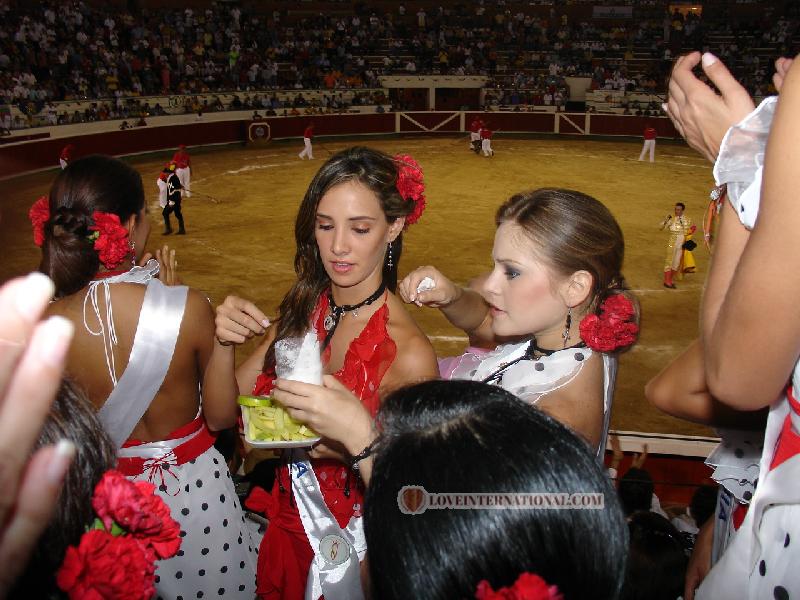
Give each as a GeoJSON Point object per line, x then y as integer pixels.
{"type": "Point", "coordinates": [337, 312]}
{"type": "Point", "coordinates": [532, 352]}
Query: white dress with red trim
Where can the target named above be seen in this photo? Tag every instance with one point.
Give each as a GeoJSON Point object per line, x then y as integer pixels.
{"type": "Point", "coordinates": [763, 556]}
{"type": "Point", "coordinates": [217, 557]}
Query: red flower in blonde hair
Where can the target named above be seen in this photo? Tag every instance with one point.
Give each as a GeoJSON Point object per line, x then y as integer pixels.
{"type": "Point", "coordinates": [411, 186]}
{"type": "Point", "coordinates": [39, 214]}
{"type": "Point", "coordinates": [613, 328]}
{"type": "Point", "coordinates": [110, 239]}
{"type": "Point", "coordinates": [527, 587]}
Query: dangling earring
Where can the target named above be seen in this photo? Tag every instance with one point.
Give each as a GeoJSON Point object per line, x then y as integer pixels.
{"type": "Point", "coordinates": [132, 244]}
{"type": "Point", "coordinates": [389, 262]}
{"type": "Point", "coordinates": [567, 325]}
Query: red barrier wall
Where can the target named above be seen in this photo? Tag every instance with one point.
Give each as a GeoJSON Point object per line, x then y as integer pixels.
{"type": "Point", "coordinates": [37, 153]}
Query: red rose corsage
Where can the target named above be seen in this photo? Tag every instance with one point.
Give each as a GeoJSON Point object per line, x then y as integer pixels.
{"type": "Point", "coordinates": [613, 328]}
{"type": "Point", "coordinates": [116, 557]}
{"type": "Point", "coordinates": [39, 214]}
{"type": "Point", "coordinates": [527, 587]}
{"type": "Point", "coordinates": [411, 186]}
{"type": "Point", "coordinates": [110, 239]}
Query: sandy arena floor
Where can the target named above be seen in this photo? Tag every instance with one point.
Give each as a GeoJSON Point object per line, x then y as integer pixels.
{"type": "Point", "coordinates": [244, 243]}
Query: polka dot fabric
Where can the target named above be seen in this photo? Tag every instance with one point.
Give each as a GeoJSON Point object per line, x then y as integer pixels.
{"type": "Point", "coordinates": [217, 558]}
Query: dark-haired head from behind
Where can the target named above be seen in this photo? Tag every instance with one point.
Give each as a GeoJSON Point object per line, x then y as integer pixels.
{"type": "Point", "coordinates": [657, 560]}
{"type": "Point", "coordinates": [72, 418]}
{"type": "Point", "coordinates": [94, 183]}
{"type": "Point", "coordinates": [468, 437]}
{"type": "Point", "coordinates": [636, 490]}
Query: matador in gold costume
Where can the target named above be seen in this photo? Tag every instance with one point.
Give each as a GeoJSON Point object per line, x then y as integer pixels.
{"type": "Point", "coordinates": [679, 227]}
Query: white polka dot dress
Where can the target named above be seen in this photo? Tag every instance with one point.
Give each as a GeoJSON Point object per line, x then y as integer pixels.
{"type": "Point", "coordinates": [217, 558]}
{"type": "Point", "coordinates": [530, 380]}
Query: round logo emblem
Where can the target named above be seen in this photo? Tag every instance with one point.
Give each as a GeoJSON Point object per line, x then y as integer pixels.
{"type": "Point", "coordinates": [260, 132]}
{"type": "Point", "coordinates": [334, 549]}
{"type": "Point", "coordinates": [412, 500]}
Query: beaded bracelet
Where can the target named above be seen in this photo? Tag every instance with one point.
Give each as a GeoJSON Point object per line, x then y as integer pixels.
{"type": "Point", "coordinates": [365, 453]}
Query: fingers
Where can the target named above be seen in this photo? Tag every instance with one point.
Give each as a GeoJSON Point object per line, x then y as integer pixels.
{"type": "Point", "coordinates": [238, 319]}
{"type": "Point", "coordinates": [144, 258]}
{"type": "Point", "coordinates": [721, 77]}
{"type": "Point", "coordinates": [22, 302]}
{"type": "Point", "coordinates": [168, 265]}
{"type": "Point", "coordinates": [408, 287]}
{"type": "Point", "coordinates": [34, 507]}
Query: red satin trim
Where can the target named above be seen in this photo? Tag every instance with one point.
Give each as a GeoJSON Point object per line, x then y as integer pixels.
{"type": "Point", "coordinates": [191, 449]}
{"type": "Point", "coordinates": [788, 439]}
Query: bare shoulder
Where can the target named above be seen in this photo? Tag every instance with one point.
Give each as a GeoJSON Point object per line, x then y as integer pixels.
{"type": "Point", "coordinates": [416, 358]}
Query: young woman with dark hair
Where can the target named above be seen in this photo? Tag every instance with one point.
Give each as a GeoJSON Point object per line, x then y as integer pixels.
{"type": "Point", "coordinates": [155, 341]}
{"type": "Point", "coordinates": [557, 288]}
{"type": "Point", "coordinates": [349, 240]}
{"type": "Point", "coordinates": [449, 437]}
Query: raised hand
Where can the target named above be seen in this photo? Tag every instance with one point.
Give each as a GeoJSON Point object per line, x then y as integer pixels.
{"type": "Point", "coordinates": [781, 69]}
{"type": "Point", "coordinates": [168, 266]}
{"type": "Point", "coordinates": [444, 291]}
{"type": "Point", "coordinates": [237, 320]}
{"type": "Point", "coordinates": [32, 357]}
{"type": "Point", "coordinates": [329, 409]}
{"type": "Point", "coordinates": [700, 114]}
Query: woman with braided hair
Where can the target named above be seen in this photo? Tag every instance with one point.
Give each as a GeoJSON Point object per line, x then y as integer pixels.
{"type": "Point", "coordinates": [556, 289]}
{"type": "Point", "coordinates": [154, 398]}
{"type": "Point", "coordinates": [349, 240]}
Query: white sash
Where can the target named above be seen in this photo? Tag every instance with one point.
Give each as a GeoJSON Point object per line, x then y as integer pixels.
{"type": "Point", "coordinates": [335, 571]}
{"type": "Point", "coordinates": [151, 354]}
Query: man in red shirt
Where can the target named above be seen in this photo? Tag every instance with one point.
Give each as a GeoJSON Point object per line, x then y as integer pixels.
{"type": "Point", "coordinates": [649, 142]}
{"type": "Point", "coordinates": [66, 155]}
{"type": "Point", "coordinates": [183, 169]}
{"type": "Point", "coordinates": [475, 135]}
{"type": "Point", "coordinates": [486, 141]}
{"type": "Point", "coordinates": [308, 135]}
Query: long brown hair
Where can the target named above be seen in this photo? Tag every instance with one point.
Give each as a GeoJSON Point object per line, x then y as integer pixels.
{"type": "Point", "coordinates": [377, 172]}
{"type": "Point", "coordinates": [93, 183]}
{"type": "Point", "coordinates": [572, 232]}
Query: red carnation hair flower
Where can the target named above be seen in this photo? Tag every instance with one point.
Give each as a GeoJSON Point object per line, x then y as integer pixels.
{"type": "Point", "coordinates": [613, 328]}
{"type": "Point", "coordinates": [111, 240]}
{"type": "Point", "coordinates": [39, 214]}
{"type": "Point", "coordinates": [411, 186]}
{"type": "Point", "coordinates": [527, 587]}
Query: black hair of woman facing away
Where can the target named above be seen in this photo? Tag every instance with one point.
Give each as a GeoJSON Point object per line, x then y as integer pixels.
{"type": "Point", "coordinates": [470, 437]}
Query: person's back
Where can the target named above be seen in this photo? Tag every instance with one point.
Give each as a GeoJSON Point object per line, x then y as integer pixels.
{"type": "Point", "coordinates": [178, 399]}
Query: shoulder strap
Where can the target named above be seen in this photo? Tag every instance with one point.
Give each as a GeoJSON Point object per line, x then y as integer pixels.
{"type": "Point", "coordinates": [151, 354]}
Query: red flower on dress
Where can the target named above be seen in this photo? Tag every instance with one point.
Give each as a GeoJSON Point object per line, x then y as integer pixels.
{"type": "Point", "coordinates": [39, 214]}
{"type": "Point", "coordinates": [106, 566]}
{"type": "Point", "coordinates": [527, 587]}
{"type": "Point", "coordinates": [613, 328]}
{"type": "Point", "coordinates": [135, 508]}
{"type": "Point", "coordinates": [111, 239]}
{"type": "Point", "coordinates": [411, 186]}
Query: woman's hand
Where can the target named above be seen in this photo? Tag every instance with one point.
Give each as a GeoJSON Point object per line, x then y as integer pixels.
{"type": "Point", "coordinates": [700, 561]}
{"type": "Point", "coordinates": [700, 114]}
{"type": "Point", "coordinates": [781, 69]}
{"type": "Point", "coordinates": [237, 320]}
{"type": "Point", "coordinates": [168, 266]}
{"type": "Point", "coordinates": [32, 358]}
{"type": "Point", "coordinates": [444, 291]}
{"type": "Point", "coordinates": [330, 409]}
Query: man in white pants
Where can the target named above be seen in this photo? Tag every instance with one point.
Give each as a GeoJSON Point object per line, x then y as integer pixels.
{"type": "Point", "coordinates": [183, 169]}
{"type": "Point", "coordinates": [649, 143]}
{"type": "Point", "coordinates": [308, 135]}
{"type": "Point", "coordinates": [486, 141]}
